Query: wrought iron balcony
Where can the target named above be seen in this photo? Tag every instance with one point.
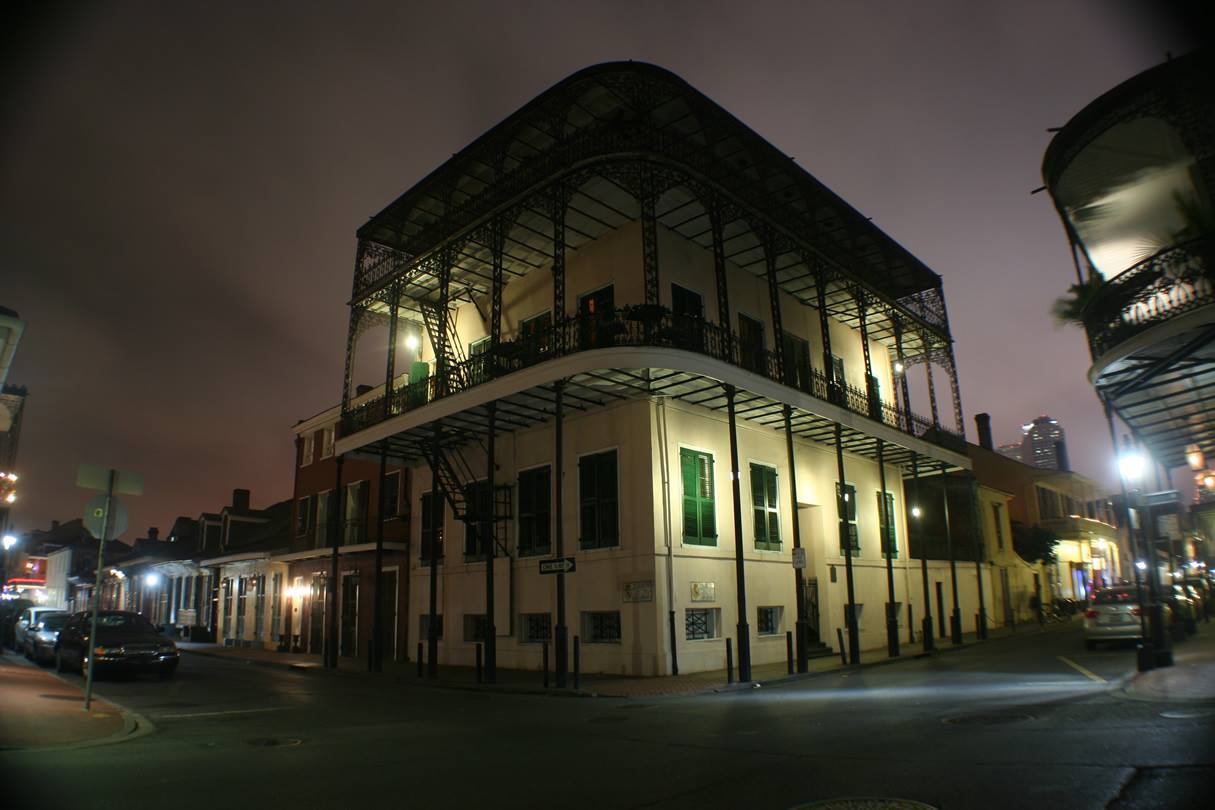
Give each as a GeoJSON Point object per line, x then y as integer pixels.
{"type": "Point", "coordinates": [639, 326]}
{"type": "Point", "coordinates": [1164, 286]}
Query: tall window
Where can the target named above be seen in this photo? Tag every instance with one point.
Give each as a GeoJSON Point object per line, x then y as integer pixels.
{"type": "Point", "coordinates": [848, 521]}
{"type": "Point", "coordinates": [535, 334]}
{"type": "Point", "coordinates": [699, 518]}
{"type": "Point", "coordinates": [431, 529]}
{"type": "Point", "coordinates": [259, 606]}
{"type": "Point", "coordinates": [890, 546]}
{"type": "Point", "coordinates": [479, 370]}
{"type": "Point", "coordinates": [276, 606]}
{"type": "Point", "coordinates": [996, 509]}
{"type": "Point", "coordinates": [303, 515]}
{"type": "Point", "coordinates": [837, 371]}
{"type": "Point", "coordinates": [327, 441]}
{"type": "Point", "coordinates": [766, 517]}
{"type": "Point", "coordinates": [751, 343]}
{"type": "Point", "coordinates": [797, 361]}
{"type": "Point", "coordinates": [597, 492]}
{"type": "Point", "coordinates": [701, 623]}
{"type": "Point", "coordinates": [535, 508]}
{"type": "Point", "coordinates": [356, 513]}
{"type": "Point", "coordinates": [323, 510]}
{"type": "Point", "coordinates": [306, 450]}
{"type": "Point", "coordinates": [479, 509]}
{"type": "Point", "coordinates": [392, 495]}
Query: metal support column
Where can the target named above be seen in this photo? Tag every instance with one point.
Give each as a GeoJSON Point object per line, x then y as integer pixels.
{"type": "Point", "coordinates": [888, 548]}
{"type": "Point", "coordinates": [375, 662]}
{"type": "Point", "coordinates": [926, 621]}
{"type": "Point", "coordinates": [778, 331]}
{"type": "Point", "coordinates": [841, 508]}
{"type": "Point", "coordinates": [955, 618]}
{"type": "Point", "coordinates": [649, 235]}
{"type": "Point", "coordinates": [437, 540]}
{"type": "Point", "coordinates": [560, 645]}
{"type": "Point", "coordinates": [487, 539]}
{"type": "Point", "coordinates": [820, 285]}
{"type": "Point", "coordinates": [901, 359]}
{"type": "Point", "coordinates": [335, 540]}
{"type": "Point", "coordinates": [744, 630]}
{"type": "Point", "coordinates": [932, 388]}
{"type": "Point", "coordinates": [976, 532]}
{"type": "Point", "coordinates": [799, 580]}
{"type": "Point", "coordinates": [719, 274]}
{"type": "Point", "coordinates": [559, 201]}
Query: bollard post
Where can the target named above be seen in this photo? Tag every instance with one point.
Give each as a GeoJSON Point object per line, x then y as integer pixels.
{"type": "Point", "coordinates": [789, 649]}
{"type": "Point", "coordinates": [420, 659]}
{"type": "Point", "coordinates": [839, 635]}
{"type": "Point", "coordinates": [544, 661]}
{"type": "Point", "coordinates": [910, 624]}
{"type": "Point", "coordinates": [577, 663]}
{"type": "Point", "coordinates": [729, 660]}
{"type": "Point", "coordinates": [478, 662]}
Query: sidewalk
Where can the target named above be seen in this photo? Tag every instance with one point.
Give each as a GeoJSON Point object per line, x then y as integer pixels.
{"type": "Point", "coordinates": [594, 685]}
{"type": "Point", "coordinates": [1190, 680]}
{"type": "Point", "coordinates": [37, 710]}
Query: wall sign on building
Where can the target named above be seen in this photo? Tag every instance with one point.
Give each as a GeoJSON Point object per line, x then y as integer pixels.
{"type": "Point", "coordinates": [704, 591]}
{"type": "Point", "coordinates": [639, 591]}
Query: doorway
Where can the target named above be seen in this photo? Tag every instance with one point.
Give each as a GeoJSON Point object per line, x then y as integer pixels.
{"type": "Point", "coordinates": [595, 310]}
{"type": "Point", "coordinates": [348, 627]}
{"type": "Point", "coordinates": [316, 615]}
{"type": "Point", "coordinates": [388, 613]}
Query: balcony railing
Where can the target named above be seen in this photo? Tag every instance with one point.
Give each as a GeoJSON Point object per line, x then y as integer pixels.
{"type": "Point", "coordinates": [638, 326]}
{"type": "Point", "coordinates": [1171, 283]}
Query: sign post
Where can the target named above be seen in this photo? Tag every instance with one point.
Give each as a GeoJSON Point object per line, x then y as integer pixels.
{"type": "Point", "coordinates": [100, 519]}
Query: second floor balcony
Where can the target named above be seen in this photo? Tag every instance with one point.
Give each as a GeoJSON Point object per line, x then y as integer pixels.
{"type": "Point", "coordinates": [642, 326]}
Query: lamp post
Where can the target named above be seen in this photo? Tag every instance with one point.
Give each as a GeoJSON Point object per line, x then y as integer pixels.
{"type": "Point", "coordinates": [1154, 648]}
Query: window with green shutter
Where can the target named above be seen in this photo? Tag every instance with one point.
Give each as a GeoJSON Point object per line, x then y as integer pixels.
{"type": "Point", "coordinates": [699, 518]}
{"type": "Point", "coordinates": [597, 493]}
{"type": "Point", "coordinates": [848, 517]}
{"type": "Point", "coordinates": [890, 546]}
{"type": "Point", "coordinates": [763, 507]}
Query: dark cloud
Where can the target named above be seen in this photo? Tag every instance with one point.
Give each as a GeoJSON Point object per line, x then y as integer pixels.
{"type": "Point", "coordinates": [180, 185]}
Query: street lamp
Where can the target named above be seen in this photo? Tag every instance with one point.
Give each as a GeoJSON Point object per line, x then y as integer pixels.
{"type": "Point", "coordinates": [1153, 648]}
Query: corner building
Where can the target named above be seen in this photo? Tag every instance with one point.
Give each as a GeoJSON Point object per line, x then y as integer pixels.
{"type": "Point", "coordinates": [622, 328]}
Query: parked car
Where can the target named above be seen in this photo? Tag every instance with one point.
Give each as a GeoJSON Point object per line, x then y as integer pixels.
{"type": "Point", "coordinates": [125, 641]}
{"type": "Point", "coordinates": [1114, 615]}
{"type": "Point", "coordinates": [1198, 598]}
{"type": "Point", "coordinates": [29, 617]}
{"type": "Point", "coordinates": [1185, 606]}
{"type": "Point", "coordinates": [40, 638]}
{"type": "Point", "coordinates": [10, 611]}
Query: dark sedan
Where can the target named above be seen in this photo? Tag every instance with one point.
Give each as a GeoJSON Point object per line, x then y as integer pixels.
{"type": "Point", "coordinates": [124, 641]}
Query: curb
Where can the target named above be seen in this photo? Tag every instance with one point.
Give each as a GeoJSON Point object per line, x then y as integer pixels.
{"type": "Point", "coordinates": [1125, 690]}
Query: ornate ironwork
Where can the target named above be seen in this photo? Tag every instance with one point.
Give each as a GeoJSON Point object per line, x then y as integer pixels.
{"type": "Point", "coordinates": [778, 332]}
{"type": "Point", "coordinates": [1164, 286]}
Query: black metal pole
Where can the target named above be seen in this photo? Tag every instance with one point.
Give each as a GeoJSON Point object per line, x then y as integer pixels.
{"type": "Point", "coordinates": [375, 661]}
{"type": "Point", "coordinates": [789, 650]}
{"type": "Point", "coordinates": [926, 622]}
{"type": "Point", "coordinates": [436, 538]}
{"type": "Point", "coordinates": [1162, 646]}
{"type": "Point", "coordinates": [577, 663]}
{"type": "Point", "coordinates": [799, 579]}
{"type": "Point", "coordinates": [977, 538]}
{"type": "Point", "coordinates": [744, 631]}
{"type": "Point", "coordinates": [955, 617]}
{"type": "Point", "coordinates": [562, 633]}
{"type": "Point", "coordinates": [335, 539]}
{"type": "Point", "coordinates": [488, 526]}
{"type": "Point", "coordinates": [729, 660]}
{"type": "Point", "coordinates": [544, 661]}
{"type": "Point", "coordinates": [892, 616]}
{"type": "Point", "coordinates": [854, 641]}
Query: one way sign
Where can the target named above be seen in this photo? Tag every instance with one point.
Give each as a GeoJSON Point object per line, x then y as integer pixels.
{"type": "Point", "coordinates": [559, 565]}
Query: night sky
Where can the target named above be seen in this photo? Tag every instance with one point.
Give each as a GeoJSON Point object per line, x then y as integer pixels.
{"type": "Point", "coordinates": [180, 184]}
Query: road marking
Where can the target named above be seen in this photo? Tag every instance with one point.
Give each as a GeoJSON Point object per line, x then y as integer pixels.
{"type": "Point", "coordinates": [218, 714]}
{"type": "Point", "coordinates": [1088, 673]}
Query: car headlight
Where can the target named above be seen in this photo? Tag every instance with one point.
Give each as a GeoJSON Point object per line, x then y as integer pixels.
{"type": "Point", "coordinates": [168, 648]}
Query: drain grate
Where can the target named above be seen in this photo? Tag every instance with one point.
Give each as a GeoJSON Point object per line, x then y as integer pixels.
{"type": "Point", "coordinates": [988, 719]}
{"type": "Point", "coordinates": [865, 803]}
{"type": "Point", "coordinates": [274, 742]}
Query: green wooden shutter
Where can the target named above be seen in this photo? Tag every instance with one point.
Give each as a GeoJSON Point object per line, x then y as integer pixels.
{"type": "Point", "coordinates": [708, 513]}
{"type": "Point", "coordinates": [759, 513]}
{"type": "Point", "coordinates": [773, 512]}
{"type": "Point", "coordinates": [691, 509]}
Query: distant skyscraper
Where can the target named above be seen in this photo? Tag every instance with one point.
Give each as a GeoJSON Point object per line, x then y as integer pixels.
{"type": "Point", "coordinates": [1040, 443]}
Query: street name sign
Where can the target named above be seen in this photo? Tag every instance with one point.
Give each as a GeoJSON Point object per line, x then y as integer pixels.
{"type": "Point", "coordinates": [90, 476]}
{"type": "Point", "coordinates": [558, 565]}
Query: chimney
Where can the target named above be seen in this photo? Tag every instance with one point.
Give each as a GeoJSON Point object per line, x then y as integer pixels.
{"type": "Point", "coordinates": [153, 533]}
{"type": "Point", "coordinates": [54, 525]}
{"type": "Point", "coordinates": [359, 390]}
{"type": "Point", "coordinates": [983, 423]}
{"type": "Point", "coordinates": [240, 500]}
{"type": "Point", "coordinates": [1061, 461]}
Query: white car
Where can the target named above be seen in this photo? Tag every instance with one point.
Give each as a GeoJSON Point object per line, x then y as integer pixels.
{"type": "Point", "coordinates": [28, 617]}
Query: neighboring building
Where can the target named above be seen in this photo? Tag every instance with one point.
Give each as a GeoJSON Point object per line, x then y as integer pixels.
{"type": "Point", "coordinates": [1012, 451]}
{"type": "Point", "coordinates": [356, 520]}
{"type": "Point", "coordinates": [12, 408]}
{"type": "Point", "coordinates": [71, 561]}
{"type": "Point", "coordinates": [1092, 550]}
{"type": "Point", "coordinates": [1042, 444]}
{"type": "Point", "coordinates": [626, 272]}
{"type": "Point", "coordinates": [1132, 176]}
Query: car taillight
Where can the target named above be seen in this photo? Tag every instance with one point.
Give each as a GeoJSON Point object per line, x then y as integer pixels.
{"type": "Point", "coordinates": [1135, 611]}
{"type": "Point", "coordinates": [1090, 614]}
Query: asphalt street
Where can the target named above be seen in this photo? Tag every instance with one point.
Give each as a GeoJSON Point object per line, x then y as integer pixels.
{"type": "Point", "coordinates": [1031, 721]}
